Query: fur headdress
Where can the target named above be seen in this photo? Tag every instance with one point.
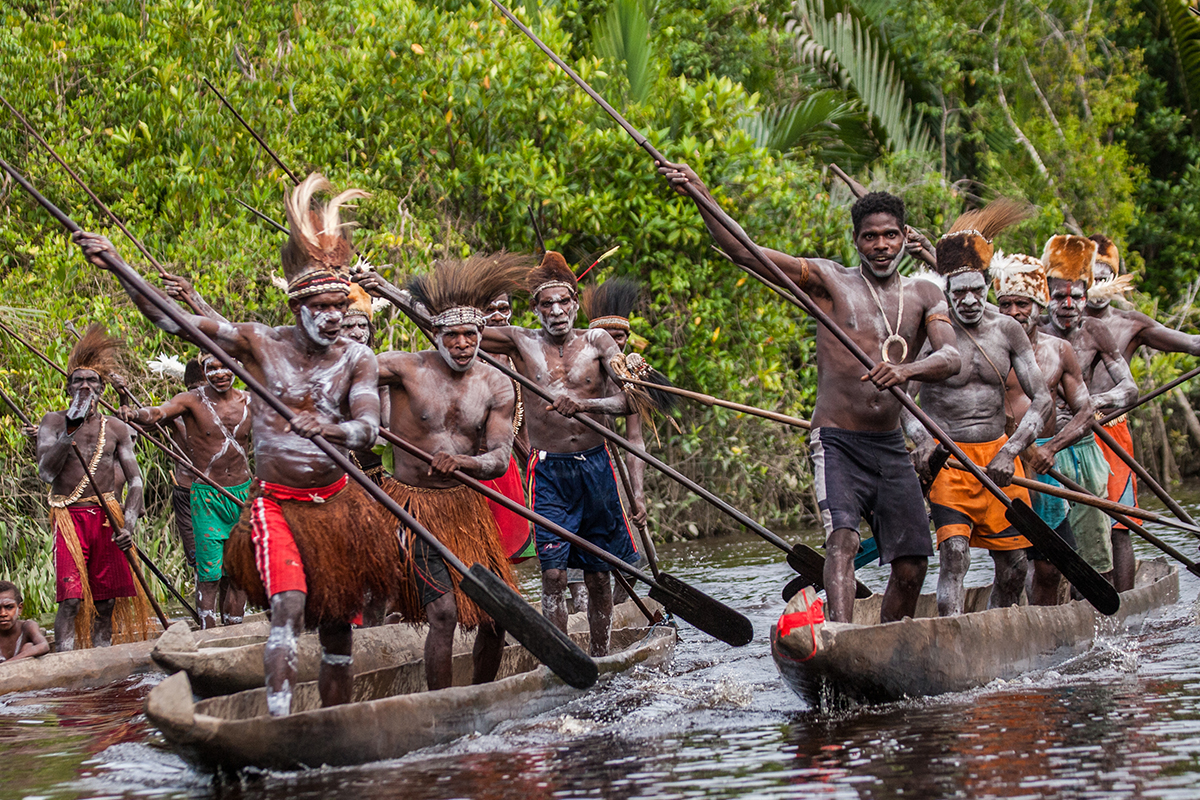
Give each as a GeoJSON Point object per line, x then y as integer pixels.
{"type": "Point", "coordinates": [96, 350]}
{"type": "Point", "coordinates": [458, 290]}
{"type": "Point", "coordinates": [610, 304]}
{"type": "Point", "coordinates": [1070, 258]}
{"type": "Point", "coordinates": [360, 303]}
{"type": "Point", "coordinates": [967, 246]}
{"type": "Point", "coordinates": [318, 252]}
{"type": "Point", "coordinates": [1107, 252]}
{"type": "Point", "coordinates": [552, 272]}
{"type": "Point", "coordinates": [1020, 275]}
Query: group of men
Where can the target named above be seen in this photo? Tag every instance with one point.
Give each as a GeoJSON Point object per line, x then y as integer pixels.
{"type": "Point", "coordinates": [296, 535]}
{"type": "Point", "coordinates": [1021, 381]}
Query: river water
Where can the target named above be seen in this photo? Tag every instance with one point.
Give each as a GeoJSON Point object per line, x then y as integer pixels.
{"type": "Point", "coordinates": [1120, 721]}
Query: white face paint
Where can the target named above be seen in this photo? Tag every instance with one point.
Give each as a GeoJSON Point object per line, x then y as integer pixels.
{"type": "Point", "coordinates": [317, 325]}
{"type": "Point", "coordinates": [460, 354]}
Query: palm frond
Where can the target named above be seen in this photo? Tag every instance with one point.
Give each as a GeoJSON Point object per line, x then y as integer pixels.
{"type": "Point", "coordinates": [622, 35]}
{"type": "Point", "coordinates": [1183, 27]}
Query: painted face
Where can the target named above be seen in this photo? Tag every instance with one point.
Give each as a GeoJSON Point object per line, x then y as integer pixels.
{"type": "Point", "coordinates": [1022, 309]}
{"type": "Point", "coordinates": [498, 312]}
{"type": "Point", "coordinates": [966, 294]}
{"type": "Point", "coordinates": [218, 376]}
{"type": "Point", "coordinates": [1066, 303]}
{"type": "Point", "coordinates": [557, 309]}
{"type": "Point", "coordinates": [10, 611]}
{"type": "Point", "coordinates": [356, 328]}
{"type": "Point", "coordinates": [1101, 271]}
{"type": "Point", "coordinates": [320, 316]}
{"type": "Point", "coordinates": [83, 387]}
{"type": "Point", "coordinates": [457, 345]}
{"type": "Point", "coordinates": [880, 243]}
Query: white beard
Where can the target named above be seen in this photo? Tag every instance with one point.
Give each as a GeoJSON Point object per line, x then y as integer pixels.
{"type": "Point", "coordinates": [450, 362]}
{"type": "Point", "coordinates": [312, 324]}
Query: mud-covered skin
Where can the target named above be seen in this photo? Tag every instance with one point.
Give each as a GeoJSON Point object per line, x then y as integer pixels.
{"type": "Point", "coordinates": [1064, 379]}
{"type": "Point", "coordinates": [1094, 344]}
{"type": "Point", "coordinates": [848, 395]}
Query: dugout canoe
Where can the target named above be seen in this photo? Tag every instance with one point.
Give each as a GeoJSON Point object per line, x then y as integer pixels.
{"type": "Point", "coordinates": [100, 666]}
{"type": "Point", "coordinates": [868, 662]}
{"type": "Point", "coordinates": [233, 665]}
{"type": "Point", "coordinates": [391, 713]}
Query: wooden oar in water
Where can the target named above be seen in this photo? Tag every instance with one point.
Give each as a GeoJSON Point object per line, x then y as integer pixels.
{"type": "Point", "coordinates": [547, 643]}
{"type": "Point", "coordinates": [709, 615]}
{"type": "Point", "coordinates": [1090, 583]}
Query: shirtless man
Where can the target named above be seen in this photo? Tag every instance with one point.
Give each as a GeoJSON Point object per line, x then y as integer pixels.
{"type": "Point", "coordinates": [571, 474]}
{"type": "Point", "coordinates": [216, 420]}
{"type": "Point", "coordinates": [299, 493]}
{"type": "Point", "coordinates": [1129, 330]}
{"type": "Point", "coordinates": [1020, 285]}
{"type": "Point", "coordinates": [357, 326]}
{"type": "Point", "coordinates": [861, 465]}
{"type": "Point", "coordinates": [970, 408]}
{"type": "Point", "coordinates": [19, 638]}
{"type": "Point", "coordinates": [460, 411]}
{"type": "Point", "coordinates": [92, 572]}
{"type": "Point", "coordinates": [1069, 262]}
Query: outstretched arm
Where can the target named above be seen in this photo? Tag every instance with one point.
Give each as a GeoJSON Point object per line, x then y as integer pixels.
{"type": "Point", "coordinates": [1029, 375]}
{"type": "Point", "coordinates": [1167, 340]}
{"type": "Point", "coordinates": [53, 447]}
{"type": "Point", "coordinates": [803, 272]}
{"type": "Point", "coordinates": [152, 415]}
{"type": "Point", "coordinates": [1124, 389]}
{"type": "Point", "coordinates": [180, 289]}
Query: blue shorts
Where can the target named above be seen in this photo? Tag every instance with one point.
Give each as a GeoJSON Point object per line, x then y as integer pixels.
{"type": "Point", "coordinates": [579, 492]}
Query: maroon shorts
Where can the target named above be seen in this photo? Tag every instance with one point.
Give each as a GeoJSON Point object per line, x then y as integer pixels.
{"type": "Point", "coordinates": [108, 570]}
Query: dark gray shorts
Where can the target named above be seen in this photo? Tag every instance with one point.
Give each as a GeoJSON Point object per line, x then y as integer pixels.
{"type": "Point", "coordinates": [866, 475]}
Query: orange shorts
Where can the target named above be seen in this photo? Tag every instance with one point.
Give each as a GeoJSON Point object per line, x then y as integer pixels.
{"type": "Point", "coordinates": [1122, 483]}
{"type": "Point", "coordinates": [960, 506]}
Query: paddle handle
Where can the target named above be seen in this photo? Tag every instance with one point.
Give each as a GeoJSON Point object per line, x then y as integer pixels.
{"type": "Point", "coordinates": [1141, 472]}
{"type": "Point", "coordinates": [643, 533]}
{"type": "Point", "coordinates": [709, 400]}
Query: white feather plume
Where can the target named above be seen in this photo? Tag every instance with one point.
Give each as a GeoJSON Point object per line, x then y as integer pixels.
{"type": "Point", "coordinates": [167, 366]}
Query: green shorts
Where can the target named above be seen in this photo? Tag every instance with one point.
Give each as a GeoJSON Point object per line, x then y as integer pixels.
{"type": "Point", "coordinates": [213, 517]}
{"type": "Point", "coordinates": [1092, 528]}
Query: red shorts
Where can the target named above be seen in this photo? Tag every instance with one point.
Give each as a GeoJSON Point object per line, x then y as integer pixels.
{"type": "Point", "coordinates": [1122, 483]}
{"type": "Point", "coordinates": [275, 552]}
{"type": "Point", "coordinates": [515, 535]}
{"type": "Point", "coordinates": [107, 568]}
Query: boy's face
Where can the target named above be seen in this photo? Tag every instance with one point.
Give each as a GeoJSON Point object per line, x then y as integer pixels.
{"type": "Point", "coordinates": [10, 611]}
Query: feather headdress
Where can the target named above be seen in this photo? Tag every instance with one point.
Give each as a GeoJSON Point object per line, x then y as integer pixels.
{"type": "Point", "coordinates": [967, 246]}
{"type": "Point", "coordinates": [1070, 258]}
{"type": "Point", "coordinates": [360, 303]}
{"type": "Point", "coordinates": [318, 252]}
{"type": "Point", "coordinates": [552, 272]}
{"type": "Point", "coordinates": [1020, 275]}
{"type": "Point", "coordinates": [458, 290]}
{"type": "Point", "coordinates": [610, 304]}
{"type": "Point", "coordinates": [167, 366]}
{"type": "Point", "coordinates": [1108, 290]}
{"type": "Point", "coordinates": [96, 350]}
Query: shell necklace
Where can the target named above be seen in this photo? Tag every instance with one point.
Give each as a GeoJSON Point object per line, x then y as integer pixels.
{"type": "Point", "coordinates": [893, 333]}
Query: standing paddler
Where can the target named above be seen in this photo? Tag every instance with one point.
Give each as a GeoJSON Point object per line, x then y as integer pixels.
{"type": "Point", "coordinates": [1020, 284]}
{"type": "Point", "coordinates": [308, 543]}
{"type": "Point", "coordinates": [358, 326]}
{"type": "Point", "coordinates": [861, 466]}
{"type": "Point", "coordinates": [1130, 330]}
{"type": "Point", "coordinates": [92, 575]}
{"type": "Point", "coordinates": [1069, 262]}
{"type": "Point", "coordinates": [970, 406]}
{"type": "Point", "coordinates": [448, 404]}
{"type": "Point", "coordinates": [216, 420]}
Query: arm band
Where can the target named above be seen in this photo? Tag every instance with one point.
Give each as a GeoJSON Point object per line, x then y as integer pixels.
{"type": "Point", "coordinates": [937, 318]}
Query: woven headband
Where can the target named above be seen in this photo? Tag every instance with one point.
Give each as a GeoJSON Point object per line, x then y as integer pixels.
{"type": "Point", "coordinates": [459, 315]}
{"type": "Point", "coordinates": [619, 323]}
{"type": "Point", "coordinates": [553, 285]}
{"type": "Point", "coordinates": [318, 282]}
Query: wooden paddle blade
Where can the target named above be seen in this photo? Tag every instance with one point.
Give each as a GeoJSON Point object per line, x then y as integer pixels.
{"type": "Point", "coordinates": [793, 586]}
{"type": "Point", "coordinates": [539, 636]}
{"type": "Point", "coordinates": [1097, 591]}
{"type": "Point", "coordinates": [701, 611]}
{"type": "Point", "coordinates": [811, 565]}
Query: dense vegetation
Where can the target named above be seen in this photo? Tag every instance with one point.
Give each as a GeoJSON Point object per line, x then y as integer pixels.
{"type": "Point", "coordinates": [459, 127]}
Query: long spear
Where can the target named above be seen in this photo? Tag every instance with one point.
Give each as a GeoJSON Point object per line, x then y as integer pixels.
{"type": "Point", "coordinates": [709, 615]}
{"type": "Point", "coordinates": [158, 573]}
{"type": "Point", "coordinates": [709, 400]}
{"type": "Point", "coordinates": [179, 458]}
{"type": "Point", "coordinates": [1091, 585]}
{"type": "Point", "coordinates": [546, 642]}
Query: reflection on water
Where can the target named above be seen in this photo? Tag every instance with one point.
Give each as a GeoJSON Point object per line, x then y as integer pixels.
{"type": "Point", "coordinates": [1120, 721]}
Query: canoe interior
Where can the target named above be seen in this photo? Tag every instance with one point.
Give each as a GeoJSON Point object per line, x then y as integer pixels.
{"type": "Point", "coordinates": [404, 678]}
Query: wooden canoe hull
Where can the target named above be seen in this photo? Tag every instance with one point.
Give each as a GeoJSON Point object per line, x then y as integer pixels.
{"type": "Point", "coordinates": [233, 731]}
{"type": "Point", "coordinates": [930, 655]}
{"type": "Point", "coordinates": [100, 666]}
{"type": "Point", "coordinates": [233, 665]}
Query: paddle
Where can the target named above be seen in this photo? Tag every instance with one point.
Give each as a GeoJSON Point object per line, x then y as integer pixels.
{"type": "Point", "coordinates": [1091, 585]}
{"type": "Point", "coordinates": [643, 534]}
{"type": "Point", "coordinates": [652, 618]}
{"type": "Point", "coordinates": [145, 559]}
{"type": "Point", "coordinates": [709, 615]}
{"type": "Point", "coordinates": [114, 527]}
{"type": "Point", "coordinates": [1146, 398]}
{"type": "Point", "coordinates": [546, 642]}
{"type": "Point", "coordinates": [1142, 474]}
{"type": "Point", "coordinates": [709, 400]}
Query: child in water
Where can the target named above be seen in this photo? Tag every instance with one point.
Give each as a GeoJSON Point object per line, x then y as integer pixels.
{"type": "Point", "coordinates": [19, 638]}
